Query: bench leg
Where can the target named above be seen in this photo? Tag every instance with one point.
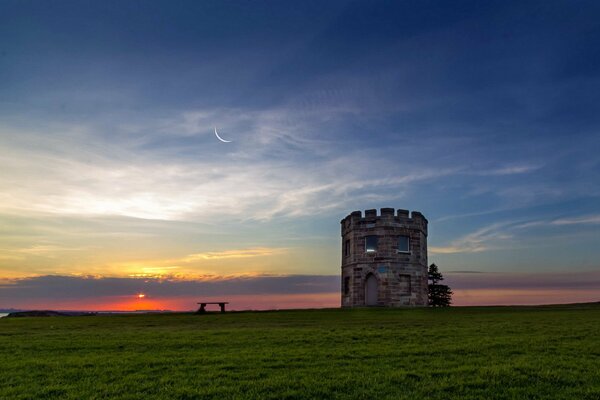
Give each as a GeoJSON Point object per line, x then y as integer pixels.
{"type": "Point", "coordinates": [202, 309]}
{"type": "Point", "coordinates": [222, 307]}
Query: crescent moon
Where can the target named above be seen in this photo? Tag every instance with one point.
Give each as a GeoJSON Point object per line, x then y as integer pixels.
{"type": "Point", "coordinates": [220, 138]}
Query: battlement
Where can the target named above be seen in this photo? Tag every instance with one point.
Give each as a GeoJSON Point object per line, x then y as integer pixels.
{"type": "Point", "coordinates": [386, 217]}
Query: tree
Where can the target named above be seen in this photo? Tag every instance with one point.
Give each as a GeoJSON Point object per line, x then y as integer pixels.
{"type": "Point", "coordinates": [439, 295]}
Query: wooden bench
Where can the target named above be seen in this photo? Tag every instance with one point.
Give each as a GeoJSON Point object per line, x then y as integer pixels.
{"type": "Point", "coordinates": [202, 308]}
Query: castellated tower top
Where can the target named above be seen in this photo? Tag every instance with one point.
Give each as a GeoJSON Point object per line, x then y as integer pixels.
{"type": "Point", "coordinates": [384, 258]}
{"type": "Point", "coordinates": [386, 217]}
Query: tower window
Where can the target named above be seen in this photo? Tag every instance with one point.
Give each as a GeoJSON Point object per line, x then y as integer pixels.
{"type": "Point", "coordinates": [403, 244]}
{"type": "Point", "coordinates": [347, 285]}
{"type": "Point", "coordinates": [347, 248]}
{"type": "Point", "coordinates": [371, 243]}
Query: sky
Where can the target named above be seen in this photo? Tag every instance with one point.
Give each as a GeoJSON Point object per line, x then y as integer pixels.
{"type": "Point", "coordinates": [484, 116]}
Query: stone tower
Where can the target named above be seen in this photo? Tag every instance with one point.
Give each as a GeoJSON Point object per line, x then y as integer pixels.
{"type": "Point", "coordinates": [384, 259]}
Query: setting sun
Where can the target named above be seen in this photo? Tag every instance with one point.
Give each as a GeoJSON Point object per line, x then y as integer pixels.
{"type": "Point", "coordinates": [140, 295]}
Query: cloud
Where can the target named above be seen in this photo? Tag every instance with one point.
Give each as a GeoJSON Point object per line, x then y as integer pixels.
{"type": "Point", "coordinates": [464, 272]}
{"type": "Point", "coordinates": [483, 239]}
{"type": "Point", "coordinates": [575, 280]}
{"type": "Point", "coordinates": [242, 253]}
{"type": "Point", "coordinates": [278, 166]}
{"type": "Point", "coordinates": [509, 170]}
{"type": "Point", "coordinates": [456, 249]}
{"type": "Point", "coordinates": [10, 257]}
{"type": "Point", "coordinates": [57, 288]}
{"type": "Point", "coordinates": [48, 250]}
{"type": "Point", "coordinates": [102, 293]}
{"type": "Point", "coordinates": [204, 264]}
{"type": "Point", "coordinates": [170, 167]}
{"type": "Point", "coordinates": [587, 219]}
{"type": "Point", "coordinates": [508, 234]}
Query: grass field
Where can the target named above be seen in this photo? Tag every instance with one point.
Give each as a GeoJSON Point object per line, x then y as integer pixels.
{"type": "Point", "coordinates": [466, 353]}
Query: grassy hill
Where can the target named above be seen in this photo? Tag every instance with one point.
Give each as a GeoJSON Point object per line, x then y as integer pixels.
{"type": "Point", "coordinates": [467, 353]}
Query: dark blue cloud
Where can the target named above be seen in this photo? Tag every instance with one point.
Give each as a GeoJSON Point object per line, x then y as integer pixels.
{"type": "Point", "coordinates": [68, 287]}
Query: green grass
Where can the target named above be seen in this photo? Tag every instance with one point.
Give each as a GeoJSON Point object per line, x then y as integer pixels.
{"type": "Point", "coordinates": [466, 353]}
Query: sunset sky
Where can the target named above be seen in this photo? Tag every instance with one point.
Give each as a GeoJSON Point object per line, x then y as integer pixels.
{"type": "Point", "coordinates": [484, 116]}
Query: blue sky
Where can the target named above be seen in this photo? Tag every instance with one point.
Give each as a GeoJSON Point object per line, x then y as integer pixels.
{"type": "Point", "coordinates": [482, 115]}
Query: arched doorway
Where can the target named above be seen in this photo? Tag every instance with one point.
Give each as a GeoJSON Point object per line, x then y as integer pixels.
{"type": "Point", "coordinates": [371, 289]}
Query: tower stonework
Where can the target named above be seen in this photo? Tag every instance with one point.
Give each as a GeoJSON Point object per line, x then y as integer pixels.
{"type": "Point", "coordinates": [384, 259]}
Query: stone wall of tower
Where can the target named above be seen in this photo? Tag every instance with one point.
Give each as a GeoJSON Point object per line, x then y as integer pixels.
{"type": "Point", "coordinates": [401, 276]}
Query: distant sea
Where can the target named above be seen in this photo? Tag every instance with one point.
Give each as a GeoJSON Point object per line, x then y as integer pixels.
{"type": "Point", "coordinates": [3, 315]}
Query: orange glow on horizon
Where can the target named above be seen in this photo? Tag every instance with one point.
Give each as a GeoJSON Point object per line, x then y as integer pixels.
{"type": "Point", "coordinates": [187, 303]}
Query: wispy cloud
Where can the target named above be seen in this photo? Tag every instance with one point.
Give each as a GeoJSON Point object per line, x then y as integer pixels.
{"type": "Point", "coordinates": [482, 239]}
{"type": "Point", "coordinates": [242, 253]}
{"type": "Point", "coordinates": [464, 272]}
{"type": "Point", "coordinates": [584, 220]}
{"type": "Point", "coordinates": [509, 234]}
{"type": "Point", "coordinates": [85, 174]}
{"type": "Point", "coordinates": [509, 170]}
{"type": "Point", "coordinates": [50, 250]}
{"type": "Point", "coordinates": [201, 265]}
{"type": "Point", "coordinates": [10, 257]}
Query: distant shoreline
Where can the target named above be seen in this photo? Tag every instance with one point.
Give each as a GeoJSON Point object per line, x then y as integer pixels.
{"type": "Point", "coordinates": [72, 313]}
{"type": "Point", "coordinates": [61, 313]}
